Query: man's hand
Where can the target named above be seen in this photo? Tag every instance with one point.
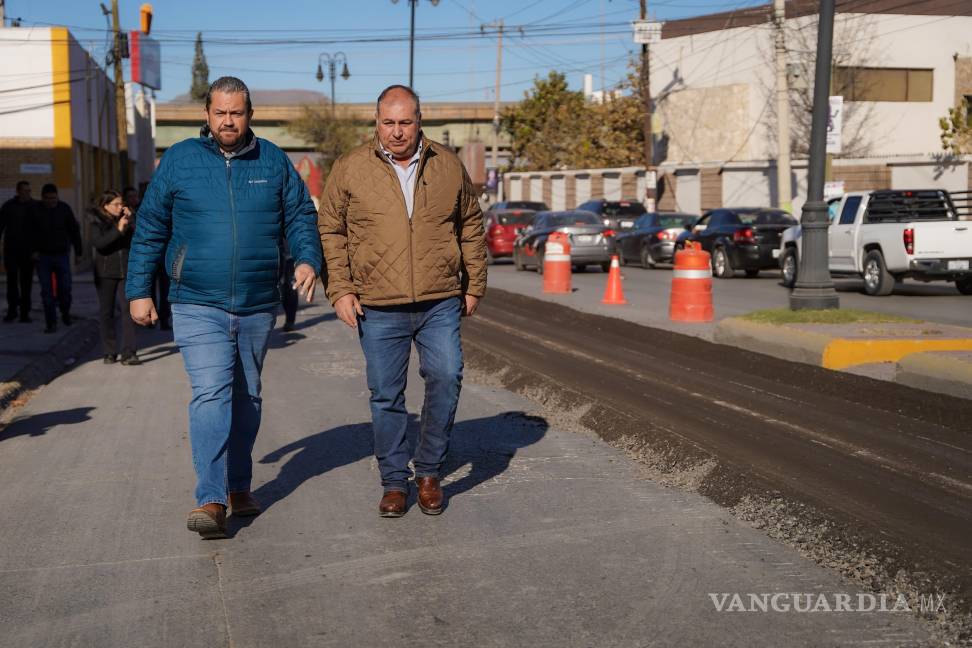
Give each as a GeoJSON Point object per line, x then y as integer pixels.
{"type": "Point", "coordinates": [348, 309]}
{"type": "Point", "coordinates": [143, 311]}
{"type": "Point", "coordinates": [469, 306]}
{"type": "Point", "coordinates": [305, 279]}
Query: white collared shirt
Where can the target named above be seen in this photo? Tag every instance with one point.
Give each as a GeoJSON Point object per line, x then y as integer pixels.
{"type": "Point", "coordinates": [406, 175]}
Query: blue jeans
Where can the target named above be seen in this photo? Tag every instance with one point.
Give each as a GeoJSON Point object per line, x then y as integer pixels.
{"type": "Point", "coordinates": [223, 354]}
{"type": "Point", "coordinates": [386, 335]}
{"type": "Point", "coordinates": [60, 266]}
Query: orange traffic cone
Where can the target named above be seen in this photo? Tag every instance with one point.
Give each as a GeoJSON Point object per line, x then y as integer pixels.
{"type": "Point", "coordinates": [613, 293]}
{"type": "Point", "coordinates": [691, 299]}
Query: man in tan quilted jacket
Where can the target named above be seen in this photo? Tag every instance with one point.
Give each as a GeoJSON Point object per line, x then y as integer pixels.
{"type": "Point", "coordinates": [406, 258]}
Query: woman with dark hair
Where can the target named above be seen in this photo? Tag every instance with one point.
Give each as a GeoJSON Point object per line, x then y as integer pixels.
{"type": "Point", "coordinates": [112, 226]}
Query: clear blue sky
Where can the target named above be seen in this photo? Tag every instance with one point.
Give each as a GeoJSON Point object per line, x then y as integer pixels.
{"type": "Point", "coordinates": [275, 44]}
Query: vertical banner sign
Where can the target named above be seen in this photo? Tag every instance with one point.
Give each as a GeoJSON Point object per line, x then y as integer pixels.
{"type": "Point", "coordinates": [835, 124]}
{"type": "Point", "coordinates": [146, 60]}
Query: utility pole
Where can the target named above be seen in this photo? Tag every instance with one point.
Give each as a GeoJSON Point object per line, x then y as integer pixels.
{"type": "Point", "coordinates": [120, 107]}
{"type": "Point", "coordinates": [498, 26]}
{"type": "Point", "coordinates": [646, 124]}
{"type": "Point", "coordinates": [411, 41]}
{"type": "Point", "coordinates": [814, 288]}
{"type": "Point", "coordinates": [783, 187]}
{"type": "Point", "coordinates": [1, 13]}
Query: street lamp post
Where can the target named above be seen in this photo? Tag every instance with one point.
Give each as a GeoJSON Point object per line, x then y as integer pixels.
{"type": "Point", "coordinates": [814, 288]}
{"type": "Point", "coordinates": [332, 60]}
{"type": "Point", "coordinates": [411, 41]}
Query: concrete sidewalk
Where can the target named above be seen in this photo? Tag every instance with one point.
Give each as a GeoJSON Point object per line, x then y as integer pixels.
{"type": "Point", "coordinates": [29, 357]}
{"type": "Point", "coordinates": [551, 538]}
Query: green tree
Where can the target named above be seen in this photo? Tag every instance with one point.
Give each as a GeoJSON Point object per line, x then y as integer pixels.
{"type": "Point", "coordinates": [200, 72]}
{"type": "Point", "coordinates": [331, 136]}
{"type": "Point", "coordinates": [553, 127]}
{"type": "Point", "coordinates": [956, 129]}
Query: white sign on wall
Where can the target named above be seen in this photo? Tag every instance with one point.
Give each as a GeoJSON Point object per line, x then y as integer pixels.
{"type": "Point", "coordinates": [835, 124]}
{"type": "Point", "coordinates": [647, 32]}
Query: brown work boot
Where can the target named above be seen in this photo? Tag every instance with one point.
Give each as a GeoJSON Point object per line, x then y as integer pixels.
{"type": "Point", "coordinates": [392, 504]}
{"type": "Point", "coordinates": [429, 495]}
{"type": "Point", "coordinates": [208, 520]}
{"type": "Point", "coordinates": [244, 504]}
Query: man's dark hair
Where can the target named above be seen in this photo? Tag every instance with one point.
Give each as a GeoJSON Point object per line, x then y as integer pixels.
{"type": "Point", "coordinates": [22, 183]}
{"type": "Point", "coordinates": [49, 188]}
{"type": "Point", "coordinates": [404, 88]}
{"type": "Point", "coordinates": [229, 85]}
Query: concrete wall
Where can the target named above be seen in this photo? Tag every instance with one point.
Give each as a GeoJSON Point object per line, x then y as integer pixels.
{"type": "Point", "coordinates": [569, 188]}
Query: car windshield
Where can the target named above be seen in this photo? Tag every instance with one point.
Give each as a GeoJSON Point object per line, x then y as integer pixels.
{"type": "Point", "coordinates": [764, 218]}
{"type": "Point", "coordinates": [675, 220]}
{"type": "Point", "coordinates": [623, 208]}
{"type": "Point", "coordinates": [525, 204]}
{"type": "Point", "coordinates": [572, 218]}
{"type": "Point", "coordinates": [514, 218]}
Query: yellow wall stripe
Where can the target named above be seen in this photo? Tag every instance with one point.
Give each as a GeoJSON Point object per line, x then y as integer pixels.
{"type": "Point", "coordinates": [63, 138]}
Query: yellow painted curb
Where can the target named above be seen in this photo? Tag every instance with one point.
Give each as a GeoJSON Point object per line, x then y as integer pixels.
{"type": "Point", "coordinates": [842, 352]}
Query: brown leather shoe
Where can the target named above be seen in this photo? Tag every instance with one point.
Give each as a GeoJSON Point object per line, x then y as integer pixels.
{"type": "Point", "coordinates": [429, 495]}
{"type": "Point", "coordinates": [208, 520]}
{"type": "Point", "coordinates": [244, 504]}
{"type": "Point", "coordinates": [392, 504]}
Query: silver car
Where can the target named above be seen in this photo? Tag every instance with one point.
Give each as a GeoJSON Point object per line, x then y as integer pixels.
{"type": "Point", "coordinates": [591, 243]}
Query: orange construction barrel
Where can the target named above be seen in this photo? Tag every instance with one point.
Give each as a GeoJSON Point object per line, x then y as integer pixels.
{"type": "Point", "coordinates": [691, 299]}
{"type": "Point", "coordinates": [556, 264]}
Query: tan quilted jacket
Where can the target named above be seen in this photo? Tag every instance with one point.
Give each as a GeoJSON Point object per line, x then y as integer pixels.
{"type": "Point", "coordinates": [373, 250]}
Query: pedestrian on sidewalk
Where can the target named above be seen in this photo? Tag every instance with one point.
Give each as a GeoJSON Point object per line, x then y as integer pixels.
{"type": "Point", "coordinates": [56, 231]}
{"type": "Point", "coordinates": [217, 209]}
{"type": "Point", "coordinates": [406, 258]}
{"type": "Point", "coordinates": [16, 222]}
{"type": "Point", "coordinates": [112, 227]}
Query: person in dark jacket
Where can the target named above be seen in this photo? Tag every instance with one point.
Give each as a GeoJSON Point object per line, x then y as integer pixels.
{"type": "Point", "coordinates": [16, 221]}
{"type": "Point", "coordinates": [217, 211]}
{"type": "Point", "coordinates": [55, 232]}
{"type": "Point", "coordinates": [112, 225]}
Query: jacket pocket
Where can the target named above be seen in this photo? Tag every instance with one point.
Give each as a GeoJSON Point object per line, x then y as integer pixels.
{"type": "Point", "coordinates": [176, 270]}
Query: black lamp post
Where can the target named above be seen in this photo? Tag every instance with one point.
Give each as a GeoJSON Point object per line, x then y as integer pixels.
{"type": "Point", "coordinates": [411, 42]}
{"type": "Point", "coordinates": [332, 60]}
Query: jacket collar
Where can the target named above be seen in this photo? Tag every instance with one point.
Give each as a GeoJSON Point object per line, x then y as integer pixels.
{"type": "Point", "coordinates": [249, 145]}
{"type": "Point", "coordinates": [426, 150]}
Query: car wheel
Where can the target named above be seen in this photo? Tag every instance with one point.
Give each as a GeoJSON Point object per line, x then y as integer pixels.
{"type": "Point", "coordinates": [878, 282]}
{"type": "Point", "coordinates": [788, 267]}
{"type": "Point", "coordinates": [539, 259]}
{"type": "Point", "coordinates": [964, 285]}
{"type": "Point", "coordinates": [647, 260]}
{"type": "Point", "coordinates": [721, 265]}
{"type": "Point", "coordinates": [752, 273]}
{"type": "Point", "coordinates": [606, 266]}
{"type": "Point", "coordinates": [516, 261]}
{"type": "Point", "coordinates": [578, 268]}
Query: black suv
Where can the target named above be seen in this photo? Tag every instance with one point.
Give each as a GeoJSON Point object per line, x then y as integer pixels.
{"type": "Point", "coordinates": [740, 238]}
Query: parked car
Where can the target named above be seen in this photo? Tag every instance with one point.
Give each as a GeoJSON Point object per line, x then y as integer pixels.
{"type": "Point", "coordinates": [526, 205]}
{"type": "Point", "coordinates": [652, 238]}
{"type": "Point", "coordinates": [502, 227]}
{"type": "Point", "coordinates": [616, 214]}
{"type": "Point", "coordinates": [590, 242]}
{"type": "Point", "coordinates": [740, 238]}
{"type": "Point", "coordinates": [886, 236]}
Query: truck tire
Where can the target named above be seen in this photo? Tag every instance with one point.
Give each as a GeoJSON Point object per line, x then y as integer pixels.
{"type": "Point", "coordinates": [789, 267]}
{"type": "Point", "coordinates": [878, 282]}
{"type": "Point", "coordinates": [964, 285]}
{"type": "Point", "coordinates": [721, 265]}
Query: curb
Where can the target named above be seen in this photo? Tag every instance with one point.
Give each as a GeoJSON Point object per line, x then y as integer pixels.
{"type": "Point", "coordinates": [944, 373]}
{"type": "Point", "coordinates": [49, 365]}
{"type": "Point", "coordinates": [777, 341]}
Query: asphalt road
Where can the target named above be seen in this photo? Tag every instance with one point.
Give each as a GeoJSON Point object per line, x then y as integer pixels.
{"type": "Point", "coordinates": [647, 292]}
{"type": "Point", "coordinates": [551, 537]}
{"type": "Point", "coordinates": [884, 462]}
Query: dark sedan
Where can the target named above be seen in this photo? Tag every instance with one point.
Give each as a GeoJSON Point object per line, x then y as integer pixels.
{"type": "Point", "coordinates": [590, 242]}
{"type": "Point", "coordinates": [616, 214]}
{"type": "Point", "coordinates": [740, 238]}
{"type": "Point", "coordinates": [652, 238]}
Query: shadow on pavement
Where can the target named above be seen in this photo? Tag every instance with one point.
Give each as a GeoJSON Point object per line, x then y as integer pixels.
{"type": "Point", "coordinates": [485, 445]}
{"type": "Point", "coordinates": [40, 424]}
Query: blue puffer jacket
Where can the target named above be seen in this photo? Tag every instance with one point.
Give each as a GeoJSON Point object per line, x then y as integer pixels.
{"type": "Point", "coordinates": [220, 223]}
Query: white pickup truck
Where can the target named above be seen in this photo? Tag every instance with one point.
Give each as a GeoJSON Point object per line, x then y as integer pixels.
{"type": "Point", "coordinates": [886, 236]}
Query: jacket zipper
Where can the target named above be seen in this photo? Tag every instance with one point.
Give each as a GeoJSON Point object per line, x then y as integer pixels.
{"type": "Point", "coordinates": [229, 187]}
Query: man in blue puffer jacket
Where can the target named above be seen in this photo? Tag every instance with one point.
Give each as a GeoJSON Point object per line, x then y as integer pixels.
{"type": "Point", "coordinates": [217, 210]}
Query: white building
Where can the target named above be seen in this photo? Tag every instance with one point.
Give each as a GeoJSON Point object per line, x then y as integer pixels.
{"type": "Point", "coordinates": [713, 81]}
{"type": "Point", "coordinates": [57, 119]}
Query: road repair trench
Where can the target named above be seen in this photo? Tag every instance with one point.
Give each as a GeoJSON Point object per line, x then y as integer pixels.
{"type": "Point", "coordinates": [875, 469]}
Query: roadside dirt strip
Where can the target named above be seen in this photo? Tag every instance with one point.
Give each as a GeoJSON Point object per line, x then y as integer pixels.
{"type": "Point", "coordinates": [869, 477]}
